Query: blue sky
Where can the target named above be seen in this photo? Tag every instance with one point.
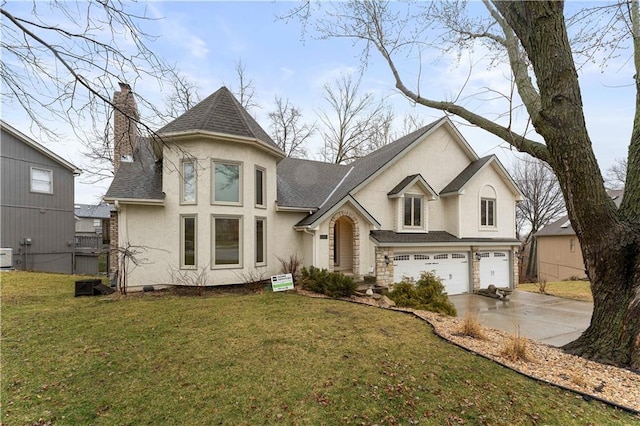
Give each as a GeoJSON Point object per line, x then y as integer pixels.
{"type": "Point", "coordinates": [206, 39]}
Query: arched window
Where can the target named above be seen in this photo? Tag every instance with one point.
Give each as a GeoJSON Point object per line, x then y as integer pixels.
{"type": "Point", "coordinates": [488, 209]}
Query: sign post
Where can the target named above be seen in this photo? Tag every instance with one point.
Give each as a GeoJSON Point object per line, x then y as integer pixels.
{"type": "Point", "coordinates": [282, 282]}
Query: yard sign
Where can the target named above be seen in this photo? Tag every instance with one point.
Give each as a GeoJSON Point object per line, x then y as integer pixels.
{"type": "Point", "coordinates": [282, 282]}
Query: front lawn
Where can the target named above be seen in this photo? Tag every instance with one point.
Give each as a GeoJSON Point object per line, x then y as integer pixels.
{"type": "Point", "coordinates": [161, 358]}
{"type": "Point", "coordinates": [576, 290]}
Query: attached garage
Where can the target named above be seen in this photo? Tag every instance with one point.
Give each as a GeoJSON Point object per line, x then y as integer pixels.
{"type": "Point", "coordinates": [452, 268]}
{"type": "Point", "coordinates": [494, 269]}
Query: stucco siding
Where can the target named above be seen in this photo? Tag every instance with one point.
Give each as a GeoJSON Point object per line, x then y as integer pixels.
{"type": "Point", "coordinates": [159, 227]}
{"type": "Point", "coordinates": [438, 158]}
{"type": "Point", "coordinates": [470, 204]}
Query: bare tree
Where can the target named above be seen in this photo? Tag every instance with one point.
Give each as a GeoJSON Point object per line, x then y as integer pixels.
{"type": "Point", "coordinates": [542, 204]}
{"type": "Point", "coordinates": [246, 88]}
{"type": "Point", "coordinates": [411, 122]}
{"type": "Point", "coordinates": [182, 97]}
{"type": "Point", "coordinates": [353, 123]}
{"type": "Point", "coordinates": [98, 141]}
{"type": "Point", "coordinates": [533, 39]}
{"type": "Point", "coordinates": [288, 130]}
{"type": "Point", "coordinates": [616, 175]}
{"type": "Point", "coordinates": [61, 60]}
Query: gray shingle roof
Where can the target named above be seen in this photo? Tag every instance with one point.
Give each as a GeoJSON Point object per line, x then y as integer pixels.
{"type": "Point", "coordinates": [364, 168]}
{"type": "Point", "coordinates": [390, 238]}
{"type": "Point", "coordinates": [221, 113]}
{"type": "Point", "coordinates": [99, 211]}
{"type": "Point", "coordinates": [140, 179]}
{"type": "Point", "coordinates": [465, 176]}
{"type": "Point", "coordinates": [306, 183]}
{"type": "Point", "coordinates": [563, 226]}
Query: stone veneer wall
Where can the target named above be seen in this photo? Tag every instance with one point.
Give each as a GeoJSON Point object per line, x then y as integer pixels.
{"type": "Point", "coordinates": [356, 240]}
{"type": "Point", "coordinates": [384, 272]}
{"type": "Point", "coordinates": [475, 269]}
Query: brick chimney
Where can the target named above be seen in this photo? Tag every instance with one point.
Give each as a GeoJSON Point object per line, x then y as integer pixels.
{"type": "Point", "coordinates": [125, 126]}
{"type": "Point", "coordinates": [125, 137]}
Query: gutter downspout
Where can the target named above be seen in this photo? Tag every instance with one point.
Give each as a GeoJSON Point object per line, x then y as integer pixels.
{"type": "Point", "coordinates": [313, 245]}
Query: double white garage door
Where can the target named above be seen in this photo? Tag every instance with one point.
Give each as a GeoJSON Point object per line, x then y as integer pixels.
{"type": "Point", "coordinates": [454, 269]}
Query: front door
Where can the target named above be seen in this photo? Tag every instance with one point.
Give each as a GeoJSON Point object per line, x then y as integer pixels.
{"type": "Point", "coordinates": [343, 245]}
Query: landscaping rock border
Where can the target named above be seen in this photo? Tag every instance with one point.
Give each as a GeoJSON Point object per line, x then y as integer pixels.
{"type": "Point", "coordinates": [615, 386]}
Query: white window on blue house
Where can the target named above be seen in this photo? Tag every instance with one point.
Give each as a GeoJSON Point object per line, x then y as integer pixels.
{"type": "Point", "coordinates": [41, 180]}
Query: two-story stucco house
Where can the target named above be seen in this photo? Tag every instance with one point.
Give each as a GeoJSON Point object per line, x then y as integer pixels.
{"type": "Point", "coordinates": [217, 196]}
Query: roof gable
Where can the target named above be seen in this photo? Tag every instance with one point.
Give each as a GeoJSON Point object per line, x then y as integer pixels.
{"type": "Point", "coordinates": [458, 184]}
{"type": "Point", "coordinates": [220, 113]}
{"type": "Point", "coordinates": [38, 147]}
{"type": "Point", "coordinates": [368, 167]}
{"type": "Point", "coordinates": [408, 183]}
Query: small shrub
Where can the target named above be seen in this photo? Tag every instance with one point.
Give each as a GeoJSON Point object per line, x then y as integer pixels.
{"type": "Point", "coordinates": [516, 349]}
{"type": "Point", "coordinates": [332, 284]}
{"type": "Point", "coordinates": [427, 294]}
{"type": "Point", "coordinates": [542, 286]}
{"type": "Point", "coordinates": [578, 379]}
{"type": "Point", "coordinates": [290, 265]}
{"type": "Point", "coordinates": [472, 328]}
{"type": "Point", "coordinates": [339, 285]}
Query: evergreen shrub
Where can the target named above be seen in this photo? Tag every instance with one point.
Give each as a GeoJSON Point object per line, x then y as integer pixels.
{"type": "Point", "coordinates": [426, 294]}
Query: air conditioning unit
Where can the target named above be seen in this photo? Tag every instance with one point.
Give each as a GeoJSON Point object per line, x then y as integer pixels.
{"type": "Point", "coordinates": [6, 258]}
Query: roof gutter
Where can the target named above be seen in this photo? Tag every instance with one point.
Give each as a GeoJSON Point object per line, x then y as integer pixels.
{"type": "Point", "coordinates": [176, 136]}
{"type": "Point", "coordinates": [139, 201]}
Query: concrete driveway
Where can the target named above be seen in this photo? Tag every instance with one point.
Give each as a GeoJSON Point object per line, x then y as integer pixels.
{"type": "Point", "coordinates": [547, 319]}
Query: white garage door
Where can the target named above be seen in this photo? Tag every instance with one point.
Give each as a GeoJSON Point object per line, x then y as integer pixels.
{"type": "Point", "coordinates": [494, 269]}
{"type": "Point", "coordinates": [453, 268]}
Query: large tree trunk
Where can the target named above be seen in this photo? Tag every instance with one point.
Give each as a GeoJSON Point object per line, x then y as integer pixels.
{"type": "Point", "coordinates": [610, 238]}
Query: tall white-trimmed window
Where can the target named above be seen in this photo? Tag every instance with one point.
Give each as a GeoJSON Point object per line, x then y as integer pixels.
{"type": "Point", "coordinates": [226, 241]}
{"type": "Point", "coordinates": [41, 180]}
{"type": "Point", "coordinates": [261, 187]}
{"type": "Point", "coordinates": [412, 211]}
{"type": "Point", "coordinates": [227, 183]}
{"type": "Point", "coordinates": [261, 241]}
{"type": "Point", "coordinates": [188, 187]}
{"type": "Point", "coordinates": [188, 241]}
{"type": "Point", "coordinates": [488, 212]}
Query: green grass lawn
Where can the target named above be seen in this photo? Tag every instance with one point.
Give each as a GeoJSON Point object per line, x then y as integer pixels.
{"type": "Point", "coordinates": [249, 359]}
{"type": "Point", "coordinates": [576, 290]}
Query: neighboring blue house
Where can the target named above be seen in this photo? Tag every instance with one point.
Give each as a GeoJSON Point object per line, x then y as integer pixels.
{"type": "Point", "coordinates": [36, 205]}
